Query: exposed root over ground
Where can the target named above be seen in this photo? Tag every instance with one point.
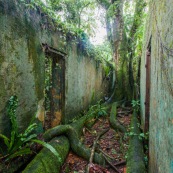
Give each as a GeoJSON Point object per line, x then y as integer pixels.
{"type": "Point", "coordinates": [113, 145]}
{"type": "Point", "coordinates": [107, 149]}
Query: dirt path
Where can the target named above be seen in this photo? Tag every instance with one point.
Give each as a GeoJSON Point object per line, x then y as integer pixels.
{"type": "Point", "coordinates": [112, 143]}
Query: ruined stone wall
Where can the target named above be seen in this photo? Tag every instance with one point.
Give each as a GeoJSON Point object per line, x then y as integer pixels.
{"type": "Point", "coordinates": [85, 84]}
{"type": "Point", "coordinates": [22, 63]}
{"type": "Point", "coordinates": [159, 29]}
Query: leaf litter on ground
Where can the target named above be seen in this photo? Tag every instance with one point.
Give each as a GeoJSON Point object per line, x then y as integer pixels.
{"type": "Point", "coordinates": [112, 144]}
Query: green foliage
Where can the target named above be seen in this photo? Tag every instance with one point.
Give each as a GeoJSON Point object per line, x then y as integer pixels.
{"type": "Point", "coordinates": [76, 19]}
{"type": "Point", "coordinates": [69, 15]}
{"type": "Point", "coordinates": [19, 143]}
{"type": "Point", "coordinates": [104, 54]}
{"type": "Point", "coordinates": [16, 144]}
{"type": "Point", "coordinates": [113, 151]}
{"type": "Point", "coordinates": [101, 53]}
{"type": "Point", "coordinates": [134, 21]}
{"type": "Point", "coordinates": [107, 70]}
{"type": "Point", "coordinates": [99, 110]}
{"type": "Point", "coordinates": [135, 104]}
{"type": "Point", "coordinates": [49, 147]}
{"type": "Point", "coordinates": [141, 136]}
{"type": "Point", "coordinates": [128, 16]}
{"type": "Point", "coordinates": [11, 111]}
{"type": "Point", "coordinates": [131, 48]}
{"type": "Point", "coordinates": [139, 37]}
{"type": "Point", "coordinates": [146, 160]}
{"type": "Point", "coordinates": [48, 82]}
{"type": "Point", "coordinates": [104, 51]}
{"type": "Point", "coordinates": [112, 10]}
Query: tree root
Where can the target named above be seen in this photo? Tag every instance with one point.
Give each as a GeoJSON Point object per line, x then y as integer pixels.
{"type": "Point", "coordinates": [123, 162]}
{"type": "Point", "coordinates": [113, 121]}
{"type": "Point", "coordinates": [75, 143]}
{"type": "Point", "coordinates": [111, 164]}
{"type": "Point", "coordinates": [106, 154]}
{"type": "Point", "coordinates": [45, 161]}
{"type": "Point", "coordinates": [135, 159]}
{"type": "Point", "coordinates": [72, 132]}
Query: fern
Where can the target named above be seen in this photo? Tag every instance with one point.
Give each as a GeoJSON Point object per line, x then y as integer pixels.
{"type": "Point", "coordinates": [21, 152]}
{"type": "Point", "coordinates": [17, 144]}
{"type": "Point", "coordinates": [49, 147]}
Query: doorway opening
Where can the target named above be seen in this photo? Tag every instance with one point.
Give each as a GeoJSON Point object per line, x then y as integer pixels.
{"type": "Point", "coordinates": [147, 92]}
{"type": "Point", "coordinates": [54, 86]}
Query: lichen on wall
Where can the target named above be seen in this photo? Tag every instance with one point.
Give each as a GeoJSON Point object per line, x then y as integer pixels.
{"type": "Point", "coordinates": [83, 79]}
{"type": "Point", "coordinates": [15, 69]}
{"type": "Point", "coordinates": [159, 29]}
{"type": "Point", "coordinates": [22, 66]}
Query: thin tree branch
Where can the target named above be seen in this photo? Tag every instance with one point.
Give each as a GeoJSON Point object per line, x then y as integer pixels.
{"type": "Point", "coordinates": [111, 164]}
{"type": "Point", "coordinates": [93, 149]}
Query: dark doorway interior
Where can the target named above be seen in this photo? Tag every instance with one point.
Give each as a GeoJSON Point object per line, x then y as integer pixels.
{"type": "Point", "coordinates": [54, 86]}
{"type": "Point", "coordinates": [147, 95]}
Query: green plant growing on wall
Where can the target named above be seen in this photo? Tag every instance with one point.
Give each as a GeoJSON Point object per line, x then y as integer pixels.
{"type": "Point", "coordinates": [16, 140]}
{"type": "Point", "coordinates": [18, 144]}
{"type": "Point", "coordinates": [48, 82]}
{"type": "Point", "coordinates": [69, 15]}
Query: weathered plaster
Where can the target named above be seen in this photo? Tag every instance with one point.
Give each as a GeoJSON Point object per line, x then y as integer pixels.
{"type": "Point", "coordinates": [159, 28]}
{"type": "Point", "coordinates": [22, 60]}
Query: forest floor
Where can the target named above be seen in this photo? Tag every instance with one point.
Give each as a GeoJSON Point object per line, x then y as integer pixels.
{"type": "Point", "coordinates": [113, 144]}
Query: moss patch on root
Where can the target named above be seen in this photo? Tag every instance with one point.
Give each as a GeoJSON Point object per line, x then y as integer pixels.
{"type": "Point", "coordinates": [135, 159]}
{"type": "Point", "coordinates": [113, 119]}
{"type": "Point", "coordinates": [46, 161]}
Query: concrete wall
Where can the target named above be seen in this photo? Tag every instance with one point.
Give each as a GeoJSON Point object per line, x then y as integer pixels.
{"type": "Point", "coordinates": [22, 61]}
{"type": "Point", "coordinates": [84, 82]}
{"type": "Point", "coordinates": [159, 28]}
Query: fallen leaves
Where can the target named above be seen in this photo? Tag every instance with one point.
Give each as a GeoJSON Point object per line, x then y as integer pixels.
{"type": "Point", "coordinates": [94, 168]}
{"type": "Point", "coordinates": [111, 143]}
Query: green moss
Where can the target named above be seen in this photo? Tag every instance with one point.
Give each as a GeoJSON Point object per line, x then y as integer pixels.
{"type": "Point", "coordinates": [12, 167]}
{"type": "Point", "coordinates": [135, 160]}
{"type": "Point", "coordinates": [36, 57]}
{"type": "Point", "coordinates": [2, 58]}
{"type": "Point", "coordinates": [90, 123]}
{"type": "Point", "coordinates": [11, 7]}
{"type": "Point", "coordinates": [46, 161]}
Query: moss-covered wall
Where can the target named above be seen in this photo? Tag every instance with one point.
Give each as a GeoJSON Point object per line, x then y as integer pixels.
{"type": "Point", "coordinates": [21, 64]}
{"type": "Point", "coordinates": [84, 84]}
{"type": "Point", "coordinates": [159, 28]}
{"type": "Point", "coordinates": [22, 32]}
